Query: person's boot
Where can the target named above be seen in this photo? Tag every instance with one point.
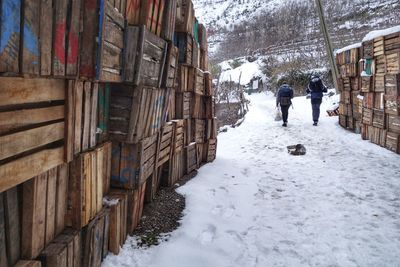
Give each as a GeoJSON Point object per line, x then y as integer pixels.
{"type": "Point", "coordinates": [284, 124]}
{"type": "Point", "coordinates": [315, 123]}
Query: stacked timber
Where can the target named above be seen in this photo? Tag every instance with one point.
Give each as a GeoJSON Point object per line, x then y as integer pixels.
{"type": "Point", "coordinates": [380, 89]}
{"type": "Point", "coordinates": [100, 104]}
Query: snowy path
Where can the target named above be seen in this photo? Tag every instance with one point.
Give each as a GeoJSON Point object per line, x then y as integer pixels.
{"type": "Point", "coordinates": [258, 206]}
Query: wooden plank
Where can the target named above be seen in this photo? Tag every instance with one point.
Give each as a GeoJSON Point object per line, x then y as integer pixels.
{"type": "Point", "coordinates": [78, 100]}
{"type": "Point", "coordinates": [89, 34]}
{"type": "Point", "coordinates": [54, 255]}
{"type": "Point", "coordinates": [30, 47]}
{"type": "Point", "coordinates": [24, 263]}
{"type": "Point", "coordinates": [15, 91]}
{"type": "Point", "coordinates": [61, 201]}
{"type": "Point", "coordinates": [51, 190]}
{"type": "Point", "coordinates": [86, 115]}
{"type": "Point", "coordinates": [20, 170]}
{"type": "Point", "coordinates": [14, 144]}
{"type": "Point", "coordinates": [93, 115]}
{"type": "Point", "coordinates": [73, 38]}
{"type": "Point", "coordinates": [12, 225]}
{"type": "Point", "coordinates": [3, 244]}
{"type": "Point", "coordinates": [11, 120]}
{"type": "Point", "coordinates": [60, 37]}
{"type": "Point", "coordinates": [46, 36]}
{"type": "Point", "coordinates": [34, 216]}
{"type": "Point", "coordinates": [10, 12]}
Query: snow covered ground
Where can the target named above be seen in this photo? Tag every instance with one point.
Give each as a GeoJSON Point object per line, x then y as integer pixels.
{"type": "Point", "coordinates": [256, 205]}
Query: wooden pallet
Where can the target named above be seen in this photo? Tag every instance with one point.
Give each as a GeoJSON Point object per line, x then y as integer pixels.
{"type": "Point", "coordinates": [171, 67]}
{"type": "Point", "coordinates": [118, 205]}
{"type": "Point", "coordinates": [392, 43]}
{"type": "Point", "coordinates": [103, 39]}
{"type": "Point", "coordinates": [64, 250]}
{"type": "Point", "coordinates": [135, 203]}
{"type": "Point", "coordinates": [10, 236]}
{"type": "Point", "coordinates": [393, 63]}
{"type": "Point", "coordinates": [44, 203]}
{"type": "Point", "coordinates": [89, 174]}
{"type": "Point", "coordinates": [132, 164]}
{"type": "Point", "coordinates": [393, 142]}
{"type": "Point", "coordinates": [145, 57]}
{"type": "Point", "coordinates": [136, 112]}
{"type": "Point", "coordinates": [184, 42]}
{"type": "Point", "coordinates": [95, 238]}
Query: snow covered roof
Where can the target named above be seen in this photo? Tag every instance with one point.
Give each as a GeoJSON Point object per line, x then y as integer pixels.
{"type": "Point", "coordinates": [357, 45]}
{"type": "Point", "coordinates": [374, 34]}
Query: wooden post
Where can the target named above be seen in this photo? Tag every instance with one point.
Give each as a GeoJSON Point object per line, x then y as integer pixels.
{"type": "Point", "coordinates": [328, 44]}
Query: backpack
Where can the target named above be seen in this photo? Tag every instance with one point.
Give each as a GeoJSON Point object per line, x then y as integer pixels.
{"type": "Point", "coordinates": [285, 101]}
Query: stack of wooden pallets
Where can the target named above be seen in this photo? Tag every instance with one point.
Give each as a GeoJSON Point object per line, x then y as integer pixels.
{"type": "Point", "coordinates": [379, 90]}
{"type": "Point", "coordinates": [90, 124]}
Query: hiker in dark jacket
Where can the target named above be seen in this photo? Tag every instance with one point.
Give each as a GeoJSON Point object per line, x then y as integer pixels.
{"type": "Point", "coordinates": [284, 100]}
{"type": "Point", "coordinates": [317, 89]}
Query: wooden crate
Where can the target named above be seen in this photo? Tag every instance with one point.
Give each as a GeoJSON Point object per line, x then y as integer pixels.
{"type": "Point", "coordinates": [95, 238]}
{"type": "Point", "coordinates": [135, 202]}
{"type": "Point", "coordinates": [178, 136]}
{"type": "Point", "coordinates": [345, 97]}
{"type": "Point", "coordinates": [346, 84]}
{"type": "Point", "coordinates": [379, 101]}
{"type": "Point", "coordinates": [164, 146]}
{"type": "Point", "coordinates": [89, 173]}
{"type": "Point", "coordinates": [184, 16]}
{"type": "Point", "coordinates": [184, 42]}
{"type": "Point", "coordinates": [393, 142]}
{"type": "Point", "coordinates": [64, 250]}
{"type": "Point", "coordinates": [132, 164]}
{"type": "Point", "coordinates": [168, 25]}
{"type": "Point", "coordinates": [368, 49]}
{"type": "Point", "coordinates": [149, 13]}
{"type": "Point", "coordinates": [174, 170]}
{"type": "Point", "coordinates": [196, 81]}
{"type": "Point", "coordinates": [196, 54]}
{"type": "Point", "coordinates": [171, 67]}
{"type": "Point", "coordinates": [211, 150]}
{"type": "Point", "coordinates": [204, 60]}
{"type": "Point", "coordinates": [208, 84]}
{"type": "Point", "coordinates": [364, 131]}
{"type": "Point", "coordinates": [392, 105]}
{"type": "Point", "coordinates": [103, 112]}
{"type": "Point", "coordinates": [31, 128]}
{"type": "Point", "coordinates": [373, 135]}
{"type": "Point", "coordinates": [351, 123]}
{"type": "Point", "coordinates": [393, 63]}
{"type": "Point", "coordinates": [378, 119]}
{"type": "Point", "coordinates": [379, 83]}
{"type": "Point", "coordinates": [171, 109]}
{"type": "Point", "coordinates": [368, 100]}
{"type": "Point", "coordinates": [183, 79]}
{"type": "Point", "coordinates": [379, 46]}
{"type": "Point", "coordinates": [200, 148]}
{"type": "Point", "coordinates": [203, 37]}
{"type": "Point", "coordinates": [44, 204]}
{"type": "Point", "coordinates": [367, 116]}
{"type": "Point", "coordinates": [367, 84]}
{"type": "Point", "coordinates": [392, 85]}
{"type": "Point", "coordinates": [190, 157]}
{"type": "Point", "coordinates": [182, 105]}
{"type": "Point", "coordinates": [198, 107]}
{"type": "Point", "coordinates": [392, 43]}
{"type": "Point", "coordinates": [118, 205]}
{"type": "Point", "coordinates": [198, 130]}
{"type": "Point", "coordinates": [145, 57]}
{"type": "Point", "coordinates": [355, 83]}
{"type": "Point", "coordinates": [136, 112]}
{"type": "Point", "coordinates": [393, 124]}
{"type": "Point", "coordinates": [103, 40]}
{"type": "Point", "coordinates": [343, 121]}
{"type": "Point", "coordinates": [24, 263]}
{"type": "Point", "coordinates": [10, 235]}
{"type": "Point", "coordinates": [82, 117]}
{"type": "Point", "coordinates": [380, 65]}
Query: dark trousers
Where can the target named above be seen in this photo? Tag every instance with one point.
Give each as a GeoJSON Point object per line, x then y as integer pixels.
{"type": "Point", "coordinates": [285, 113]}
{"type": "Point", "coordinates": [316, 103]}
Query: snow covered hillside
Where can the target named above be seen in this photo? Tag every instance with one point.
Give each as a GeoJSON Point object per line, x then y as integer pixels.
{"type": "Point", "coordinates": [256, 205]}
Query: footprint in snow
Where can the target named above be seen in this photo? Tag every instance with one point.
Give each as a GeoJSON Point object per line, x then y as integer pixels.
{"type": "Point", "coordinates": [208, 235]}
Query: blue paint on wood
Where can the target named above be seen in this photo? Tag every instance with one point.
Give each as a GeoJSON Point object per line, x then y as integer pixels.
{"type": "Point", "coordinates": [9, 21]}
{"type": "Point", "coordinates": [101, 22]}
{"type": "Point", "coordinates": [31, 41]}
